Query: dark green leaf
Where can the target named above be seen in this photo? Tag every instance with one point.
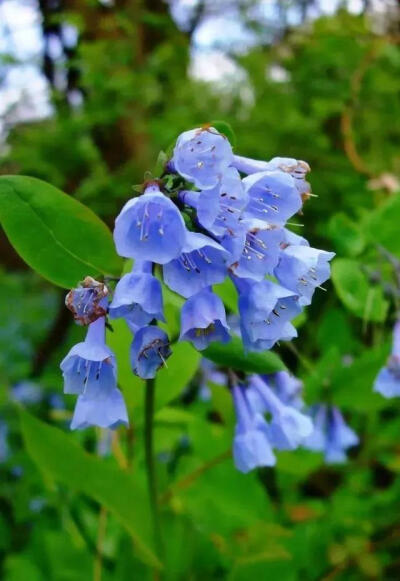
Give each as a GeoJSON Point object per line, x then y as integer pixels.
{"type": "Point", "coordinates": [383, 227]}
{"type": "Point", "coordinates": [232, 355]}
{"type": "Point", "coordinates": [351, 284]}
{"type": "Point", "coordinates": [226, 129]}
{"type": "Point", "coordinates": [57, 236]}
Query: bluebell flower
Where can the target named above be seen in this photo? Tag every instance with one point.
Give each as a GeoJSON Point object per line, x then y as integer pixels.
{"type": "Point", "coordinates": [86, 302]}
{"type": "Point", "coordinates": [100, 405]}
{"type": "Point", "coordinates": [302, 269]}
{"type": "Point", "coordinates": [27, 392]}
{"type": "Point", "coordinates": [266, 310]}
{"type": "Point", "coordinates": [331, 434]}
{"type": "Point", "coordinates": [90, 363]}
{"type": "Point", "coordinates": [201, 264]}
{"type": "Point", "coordinates": [288, 427]}
{"type": "Point", "coordinates": [287, 387]}
{"type": "Point", "coordinates": [138, 296]}
{"type": "Point", "coordinates": [388, 381]}
{"type": "Point", "coordinates": [209, 372]}
{"type": "Point", "coordinates": [251, 445]}
{"type": "Point", "coordinates": [202, 156]}
{"type": "Point", "coordinates": [219, 209]}
{"type": "Point", "coordinates": [4, 448]}
{"type": "Point", "coordinates": [261, 250]}
{"type": "Point", "coordinates": [273, 196]}
{"type": "Point", "coordinates": [89, 370]}
{"type": "Point", "coordinates": [150, 227]}
{"type": "Point", "coordinates": [298, 169]}
{"type": "Point", "coordinates": [149, 351]}
{"type": "Point", "coordinates": [292, 239]}
{"type": "Point", "coordinates": [203, 320]}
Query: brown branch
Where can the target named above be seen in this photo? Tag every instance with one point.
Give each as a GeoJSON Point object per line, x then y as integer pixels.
{"type": "Point", "coordinates": [347, 117]}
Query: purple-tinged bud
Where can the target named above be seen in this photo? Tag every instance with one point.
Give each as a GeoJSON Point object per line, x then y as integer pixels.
{"type": "Point", "coordinates": [86, 301]}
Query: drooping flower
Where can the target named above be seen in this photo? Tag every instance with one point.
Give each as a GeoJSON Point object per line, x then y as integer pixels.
{"type": "Point", "coordinates": [138, 296]}
{"type": "Point", "coordinates": [202, 156]}
{"type": "Point", "coordinates": [266, 310]}
{"type": "Point", "coordinates": [201, 264]}
{"type": "Point", "coordinates": [302, 269]}
{"type": "Point", "coordinates": [100, 405]}
{"type": "Point", "coordinates": [251, 445]}
{"type": "Point", "coordinates": [203, 320]}
{"type": "Point", "coordinates": [273, 196]}
{"type": "Point", "coordinates": [149, 351]}
{"type": "Point", "coordinates": [90, 363]}
{"type": "Point", "coordinates": [209, 373]}
{"type": "Point", "coordinates": [292, 239]}
{"type": "Point", "coordinates": [89, 370]}
{"type": "Point", "coordinates": [288, 427]}
{"type": "Point", "coordinates": [331, 434]}
{"type": "Point", "coordinates": [287, 387]}
{"type": "Point", "coordinates": [219, 209]}
{"type": "Point", "coordinates": [86, 302]}
{"type": "Point", "coordinates": [150, 227]}
{"type": "Point", "coordinates": [261, 250]}
{"type": "Point", "coordinates": [298, 169]}
{"type": "Point", "coordinates": [387, 382]}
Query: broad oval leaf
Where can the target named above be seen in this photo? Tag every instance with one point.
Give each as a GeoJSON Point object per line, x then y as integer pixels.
{"type": "Point", "coordinates": [62, 460]}
{"type": "Point", "coordinates": [362, 299]}
{"type": "Point", "coordinates": [56, 235]}
{"type": "Point", "coordinates": [383, 226]}
{"type": "Point", "coordinates": [233, 355]}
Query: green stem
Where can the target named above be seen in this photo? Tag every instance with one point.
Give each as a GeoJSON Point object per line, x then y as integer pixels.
{"type": "Point", "coordinates": [150, 467]}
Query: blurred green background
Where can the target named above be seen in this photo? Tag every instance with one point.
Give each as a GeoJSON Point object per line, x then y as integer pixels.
{"type": "Point", "coordinates": [90, 92]}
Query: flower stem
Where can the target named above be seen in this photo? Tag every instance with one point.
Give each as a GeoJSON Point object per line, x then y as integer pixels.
{"type": "Point", "coordinates": [150, 467]}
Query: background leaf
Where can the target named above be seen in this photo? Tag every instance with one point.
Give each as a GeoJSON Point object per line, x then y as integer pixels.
{"type": "Point", "coordinates": [232, 355]}
{"type": "Point", "coordinates": [383, 226]}
{"type": "Point", "coordinates": [363, 300]}
{"type": "Point", "coordinates": [56, 235]}
{"type": "Point", "coordinates": [110, 486]}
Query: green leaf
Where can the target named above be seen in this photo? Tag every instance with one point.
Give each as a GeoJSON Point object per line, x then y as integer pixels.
{"type": "Point", "coordinates": [232, 355]}
{"type": "Point", "coordinates": [228, 293]}
{"type": "Point", "coordinates": [56, 235]}
{"type": "Point", "coordinates": [226, 129]}
{"type": "Point", "coordinates": [383, 226]}
{"type": "Point", "coordinates": [346, 234]}
{"type": "Point", "coordinates": [60, 459]}
{"type": "Point", "coordinates": [353, 289]}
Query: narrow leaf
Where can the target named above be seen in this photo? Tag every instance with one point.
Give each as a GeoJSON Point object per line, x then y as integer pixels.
{"type": "Point", "coordinates": [60, 459]}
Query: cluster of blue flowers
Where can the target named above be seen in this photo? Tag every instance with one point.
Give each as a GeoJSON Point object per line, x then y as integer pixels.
{"type": "Point", "coordinates": [290, 425]}
{"type": "Point", "coordinates": [212, 215]}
